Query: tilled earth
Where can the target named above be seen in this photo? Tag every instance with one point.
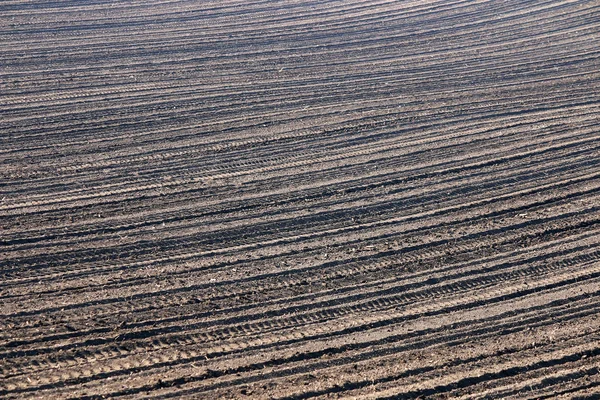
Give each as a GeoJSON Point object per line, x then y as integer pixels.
{"type": "Point", "coordinates": [299, 199]}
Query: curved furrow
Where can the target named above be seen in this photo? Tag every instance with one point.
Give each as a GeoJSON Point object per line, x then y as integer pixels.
{"type": "Point", "coordinates": [299, 199]}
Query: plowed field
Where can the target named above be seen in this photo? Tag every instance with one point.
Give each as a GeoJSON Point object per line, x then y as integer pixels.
{"type": "Point", "coordinates": [297, 199]}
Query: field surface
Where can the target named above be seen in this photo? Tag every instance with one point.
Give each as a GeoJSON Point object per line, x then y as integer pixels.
{"type": "Point", "coordinates": [297, 199]}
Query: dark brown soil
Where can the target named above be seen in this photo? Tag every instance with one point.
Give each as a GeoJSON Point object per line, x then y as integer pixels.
{"type": "Point", "coordinates": [299, 199]}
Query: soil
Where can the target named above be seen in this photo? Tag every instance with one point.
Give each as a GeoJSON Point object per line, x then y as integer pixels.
{"type": "Point", "coordinates": [299, 199]}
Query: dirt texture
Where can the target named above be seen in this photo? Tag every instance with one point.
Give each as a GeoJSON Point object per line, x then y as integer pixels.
{"type": "Point", "coordinates": [297, 199]}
